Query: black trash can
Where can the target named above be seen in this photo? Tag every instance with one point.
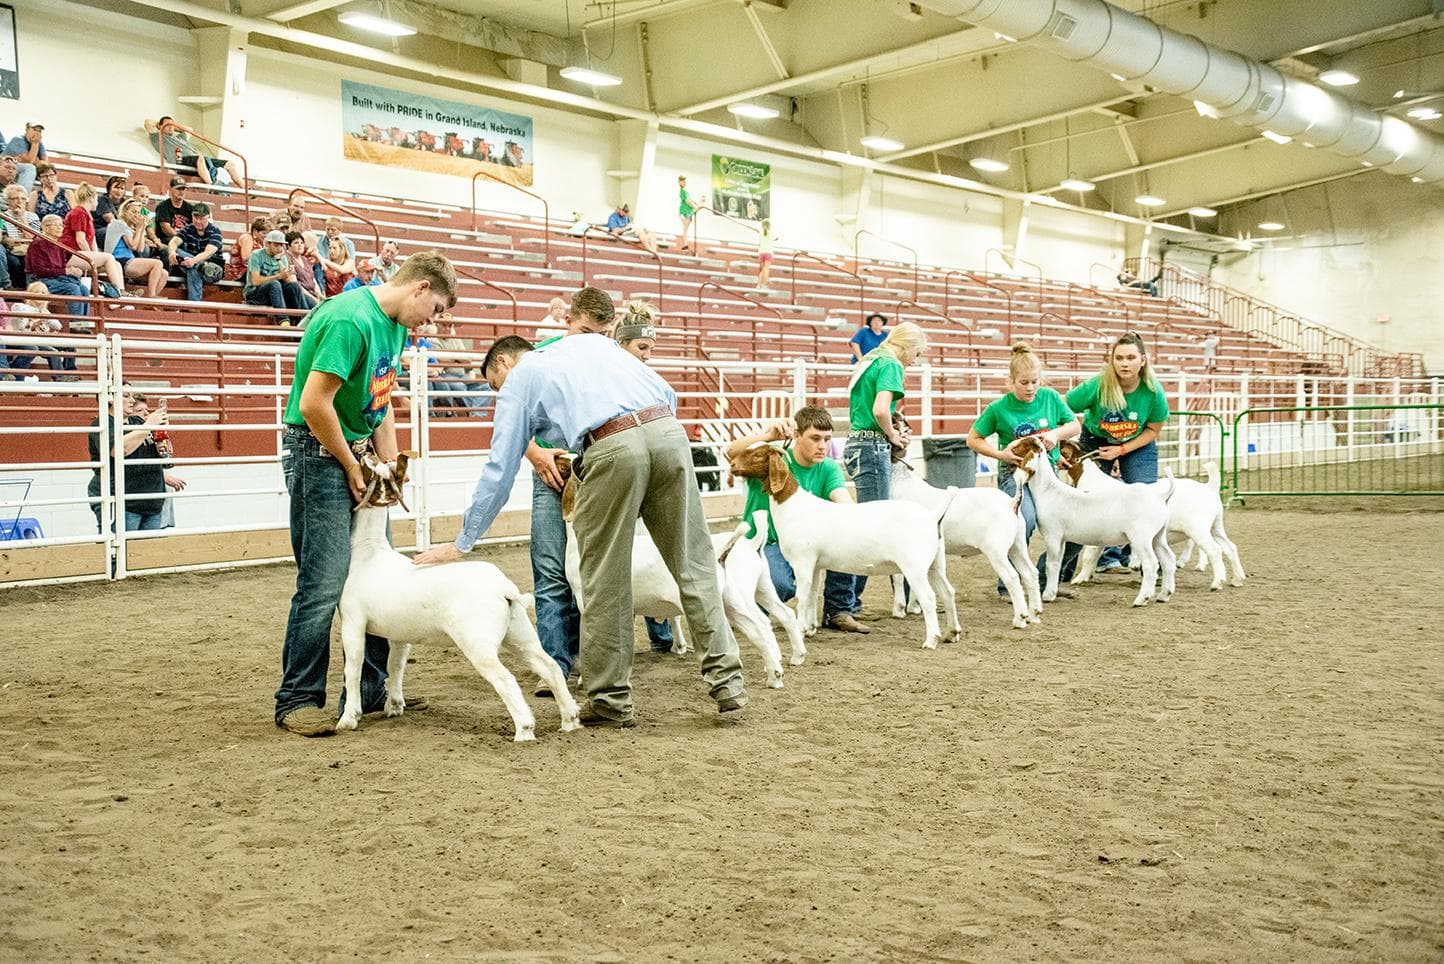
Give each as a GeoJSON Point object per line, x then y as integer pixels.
{"type": "Point", "coordinates": [949, 462]}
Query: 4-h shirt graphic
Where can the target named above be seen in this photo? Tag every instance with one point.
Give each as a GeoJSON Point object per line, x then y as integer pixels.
{"type": "Point", "coordinates": [1119, 427]}
{"type": "Point", "coordinates": [383, 379]}
{"type": "Point", "coordinates": [1024, 429]}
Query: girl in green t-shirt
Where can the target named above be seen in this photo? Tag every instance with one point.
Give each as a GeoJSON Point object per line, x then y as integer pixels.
{"type": "Point", "coordinates": [687, 207]}
{"type": "Point", "coordinates": [873, 394]}
{"type": "Point", "coordinates": [1028, 409]}
{"type": "Point", "coordinates": [1123, 410]}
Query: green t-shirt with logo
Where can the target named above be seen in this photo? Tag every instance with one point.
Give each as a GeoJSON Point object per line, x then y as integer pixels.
{"type": "Point", "coordinates": [821, 480]}
{"type": "Point", "coordinates": [1142, 405]}
{"type": "Point", "coordinates": [1009, 418]}
{"type": "Point", "coordinates": [884, 374]}
{"type": "Point", "coordinates": [685, 207]}
{"type": "Point", "coordinates": [349, 336]}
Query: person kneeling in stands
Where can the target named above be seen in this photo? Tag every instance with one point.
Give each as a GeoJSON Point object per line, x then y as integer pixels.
{"type": "Point", "coordinates": [807, 459]}
{"type": "Point", "coordinates": [270, 279]}
{"type": "Point", "coordinates": [196, 250]}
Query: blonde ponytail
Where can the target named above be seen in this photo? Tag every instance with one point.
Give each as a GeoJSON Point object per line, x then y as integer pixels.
{"type": "Point", "coordinates": [1023, 361]}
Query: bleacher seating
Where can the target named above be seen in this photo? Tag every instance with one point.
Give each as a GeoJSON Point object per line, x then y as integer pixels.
{"type": "Point", "coordinates": [710, 310]}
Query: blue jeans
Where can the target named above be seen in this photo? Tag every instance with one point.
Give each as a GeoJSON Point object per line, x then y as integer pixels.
{"type": "Point", "coordinates": [1140, 465]}
{"type": "Point", "coordinates": [868, 460]}
{"type": "Point", "coordinates": [134, 521]}
{"type": "Point", "coordinates": [67, 285]}
{"type": "Point", "coordinates": [272, 294]}
{"type": "Point", "coordinates": [204, 273]}
{"type": "Point", "coordinates": [321, 543]}
{"type": "Point", "coordinates": [836, 587]}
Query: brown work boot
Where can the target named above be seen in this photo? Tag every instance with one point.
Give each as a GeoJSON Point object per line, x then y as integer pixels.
{"type": "Point", "coordinates": [846, 623]}
{"type": "Point", "coordinates": [309, 721]}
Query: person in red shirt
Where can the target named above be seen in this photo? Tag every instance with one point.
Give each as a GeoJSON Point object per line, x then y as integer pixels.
{"type": "Point", "coordinates": [80, 232]}
{"type": "Point", "coordinates": [48, 263]}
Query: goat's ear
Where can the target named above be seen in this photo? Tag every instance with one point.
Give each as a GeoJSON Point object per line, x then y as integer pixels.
{"type": "Point", "coordinates": [564, 465]}
{"type": "Point", "coordinates": [777, 473]}
{"type": "Point", "coordinates": [1075, 471]}
{"type": "Point", "coordinates": [402, 460]}
{"type": "Point", "coordinates": [569, 497]}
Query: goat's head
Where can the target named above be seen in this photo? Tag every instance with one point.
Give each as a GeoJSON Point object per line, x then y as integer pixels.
{"type": "Point", "coordinates": [764, 461]}
{"type": "Point", "coordinates": [1071, 458]}
{"type": "Point", "coordinates": [1031, 453]}
{"type": "Point", "coordinates": [384, 485]}
{"type": "Point", "coordinates": [901, 425]}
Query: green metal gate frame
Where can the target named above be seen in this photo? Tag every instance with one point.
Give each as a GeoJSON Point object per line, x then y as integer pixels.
{"type": "Point", "coordinates": [1224, 476]}
{"type": "Point", "coordinates": [1239, 492]}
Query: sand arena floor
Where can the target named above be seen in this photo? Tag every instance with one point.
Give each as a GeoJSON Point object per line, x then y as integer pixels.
{"type": "Point", "coordinates": [1256, 774]}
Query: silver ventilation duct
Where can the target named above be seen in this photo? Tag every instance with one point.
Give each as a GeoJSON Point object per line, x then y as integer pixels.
{"type": "Point", "coordinates": [1244, 91]}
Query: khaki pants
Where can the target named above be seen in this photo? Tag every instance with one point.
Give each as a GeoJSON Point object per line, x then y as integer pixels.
{"type": "Point", "coordinates": [647, 472]}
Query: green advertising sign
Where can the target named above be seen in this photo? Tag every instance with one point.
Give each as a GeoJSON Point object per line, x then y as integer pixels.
{"type": "Point", "coordinates": [741, 189]}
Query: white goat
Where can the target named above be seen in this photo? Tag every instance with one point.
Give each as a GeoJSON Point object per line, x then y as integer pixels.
{"type": "Point", "coordinates": [868, 538]}
{"type": "Point", "coordinates": [1194, 510]}
{"type": "Point", "coordinates": [471, 603]}
{"type": "Point", "coordinates": [1137, 514]}
{"type": "Point", "coordinates": [655, 592]}
{"type": "Point", "coordinates": [982, 519]}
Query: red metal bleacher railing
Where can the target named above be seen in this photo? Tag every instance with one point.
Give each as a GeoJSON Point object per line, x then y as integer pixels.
{"type": "Point", "coordinates": [1128, 314]}
{"type": "Point", "coordinates": [861, 289]}
{"type": "Point", "coordinates": [1074, 360]}
{"type": "Point", "coordinates": [245, 188]}
{"type": "Point", "coordinates": [96, 291]}
{"type": "Point", "coordinates": [1009, 260]}
{"type": "Point", "coordinates": [857, 235]}
{"type": "Point", "coordinates": [340, 207]}
{"type": "Point", "coordinates": [977, 356]}
{"type": "Point", "coordinates": [586, 270]}
{"type": "Point", "coordinates": [1007, 295]}
{"type": "Point", "coordinates": [546, 212]}
{"type": "Point", "coordinates": [781, 323]}
{"type": "Point", "coordinates": [716, 214]}
{"type": "Point", "coordinates": [515, 323]}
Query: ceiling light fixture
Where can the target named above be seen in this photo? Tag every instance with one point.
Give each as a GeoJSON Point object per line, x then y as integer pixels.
{"type": "Point", "coordinates": [1150, 201]}
{"type": "Point", "coordinates": [1205, 110]}
{"type": "Point", "coordinates": [1077, 184]}
{"type": "Point", "coordinates": [1203, 212]}
{"type": "Point", "coordinates": [1417, 180]}
{"type": "Point", "coordinates": [878, 142]}
{"type": "Point", "coordinates": [1276, 137]}
{"type": "Point", "coordinates": [1424, 113]}
{"type": "Point", "coordinates": [590, 77]}
{"type": "Point", "coordinates": [374, 24]}
{"type": "Point", "coordinates": [755, 111]}
{"type": "Point", "coordinates": [1270, 226]}
{"type": "Point", "coordinates": [1119, 77]}
{"type": "Point", "coordinates": [1338, 78]}
{"type": "Point", "coordinates": [990, 164]}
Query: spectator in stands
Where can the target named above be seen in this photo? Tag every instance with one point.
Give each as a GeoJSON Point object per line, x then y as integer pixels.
{"type": "Point", "coordinates": [1123, 409]}
{"type": "Point", "coordinates": [1210, 351]}
{"type": "Point", "coordinates": [126, 240]}
{"type": "Point", "coordinates": [686, 209]}
{"type": "Point", "coordinates": [80, 234]}
{"type": "Point", "coordinates": [764, 254]}
{"type": "Point", "coordinates": [107, 206]}
{"type": "Point", "coordinates": [244, 246]}
{"type": "Point", "coordinates": [554, 320]}
{"type": "Point", "coordinates": [173, 142]}
{"type": "Point", "coordinates": [8, 170]}
{"type": "Point", "coordinates": [295, 214]}
{"type": "Point", "coordinates": [337, 255]}
{"type": "Point", "coordinates": [341, 396]}
{"type": "Point", "coordinates": [33, 316]}
{"type": "Point", "coordinates": [868, 337]}
{"type": "Point", "coordinates": [303, 263]}
{"type": "Point", "coordinates": [873, 395]}
{"type": "Point", "coordinates": [366, 276]}
{"type": "Point", "coordinates": [196, 249]}
{"type": "Point", "coordinates": [15, 240]}
{"type": "Point", "coordinates": [173, 212]}
{"type": "Point", "coordinates": [385, 261]}
{"type": "Point", "coordinates": [1129, 280]}
{"type": "Point", "coordinates": [810, 431]}
{"type": "Point", "coordinates": [144, 475]}
{"type": "Point", "coordinates": [621, 227]}
{"type": "Point", "coordinates": [28, 149]}
{"type": "Point", "coordinates": [51, 265]}
{"type": "Point", "coordinates": [270, 279]}
{"type": "Point", "coordinates": [49, 197]}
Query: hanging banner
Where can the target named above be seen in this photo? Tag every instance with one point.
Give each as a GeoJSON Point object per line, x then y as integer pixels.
{"type": "Point", "coordinates": [400, 129]}
{"type": "Point", "coordinates": [741, 189]}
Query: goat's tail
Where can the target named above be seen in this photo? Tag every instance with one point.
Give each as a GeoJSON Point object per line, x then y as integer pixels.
{"type": "Point", "coordinates": [731, 543]}
{"type": "Point", "coordinates": [952, 493]}
{"type": "Point", "coordinates": [1171, 485]}
{"type": "Point", "coordinates": [525, 600]}
{"type": "Point", "coordinates": [1210, 469]}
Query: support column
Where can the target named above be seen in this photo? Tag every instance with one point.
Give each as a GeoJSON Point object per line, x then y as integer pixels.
{"type": "Point", "coordinates": [1015, 227]}
{"type": "Point", "coordinates": [854, 195]}
{"type": "Point", "coordinates": [221, 56]}
{"type": "Point", "coordinates": [636, 159]}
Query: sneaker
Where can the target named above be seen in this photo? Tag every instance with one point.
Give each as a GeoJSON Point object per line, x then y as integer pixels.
{"type": "Point", "coordinates": [1116, 567]}
{"type": "Point", "coordinates": [309, 721]}
{"type": "Point", "coordinates": [844, 622]}
{"type": "Point", "coordinates": [589, 717]}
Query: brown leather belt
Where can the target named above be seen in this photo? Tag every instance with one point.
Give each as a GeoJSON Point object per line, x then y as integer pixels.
{"type": "Point", "coordinates": [630, 420]}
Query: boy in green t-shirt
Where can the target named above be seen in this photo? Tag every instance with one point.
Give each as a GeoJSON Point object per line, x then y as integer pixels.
{"type": "Point", "coordinates": [340, 403]}
{"type": "Point", "coordinates": [811, 431]}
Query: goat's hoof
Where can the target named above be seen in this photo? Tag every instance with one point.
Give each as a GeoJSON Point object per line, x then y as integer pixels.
{"type": "Point", "coordinates": [1036, 618]}
{"type": "Point", "coordinates": [525, 734]}
{"type": "Point", "coordinates": [1237, 582]}
{"type": "Point", "coordinates": [1139, 603]}
{"type": "Point", "coordinates": [348, 721]}
{"type": "Point", "coordinates": [1049, 597]}
{"type": "Point", "coordinates": [797, 659]}
{"type": "Point", "coordinates": [915, 609]}
{"type": "Point", "coordinates": [395, 707]}
{"type": "Point", "coordinates": [899, 612]}
{"type": "Point", "coordinates": [774, 680]}
{"type": "Point", "coordinates": [1020, 622]}
{"type": "Point", "coordinates": [571, 724]}
{"type": "Point", "coordinates": [955, 636]}
{"type": "Point", "coordinates": [930, 643]}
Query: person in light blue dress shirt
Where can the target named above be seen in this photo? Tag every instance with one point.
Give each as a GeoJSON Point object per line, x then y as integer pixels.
{"type": "Point", "coordinates": [577, 385]}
